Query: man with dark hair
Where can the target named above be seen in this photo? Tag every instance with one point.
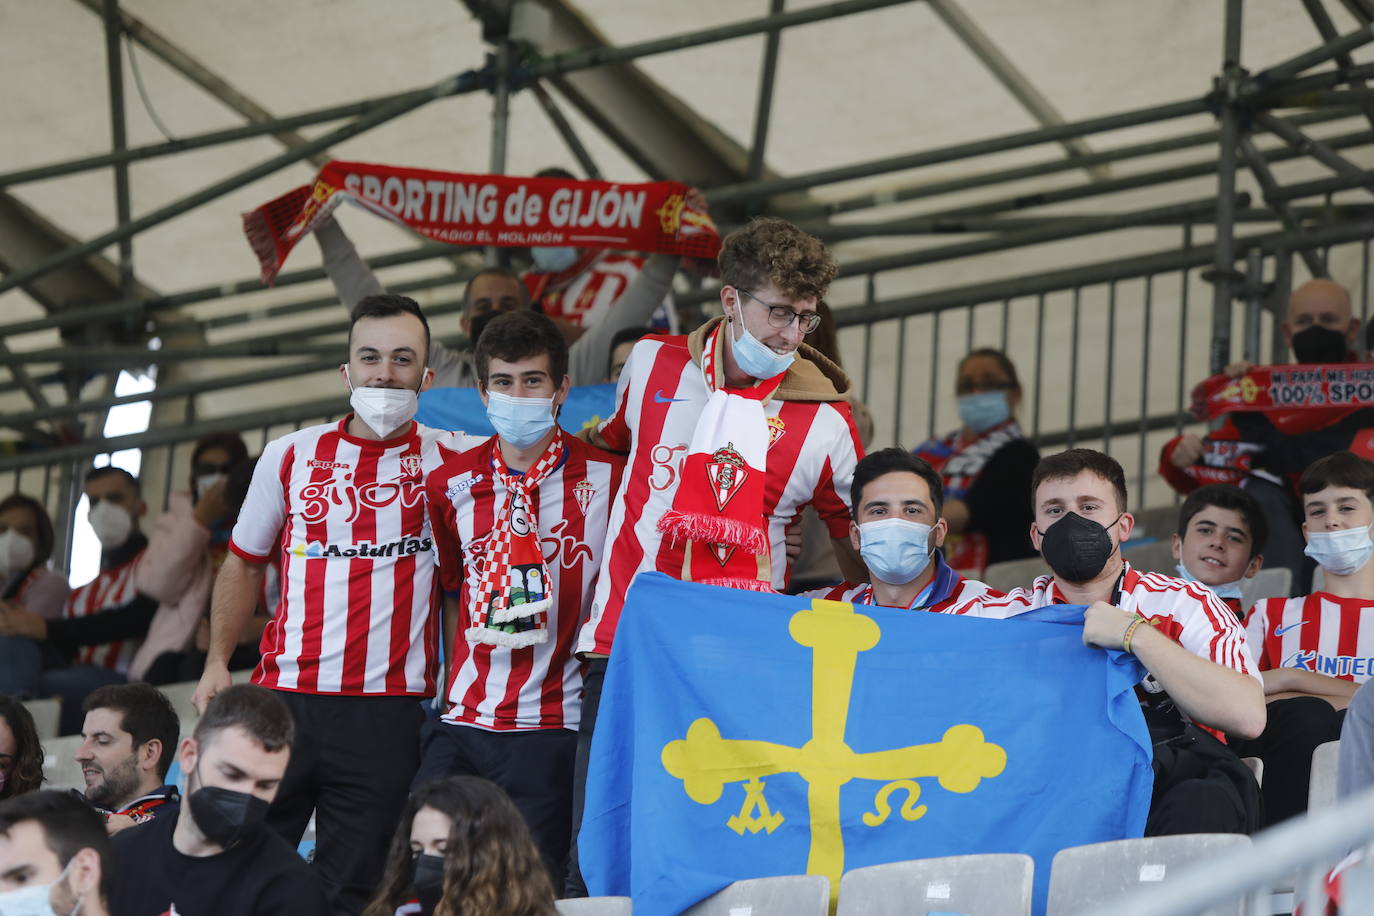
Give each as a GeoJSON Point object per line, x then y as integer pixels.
{"type": "Point", "coordinates": [730, 431]}
{"type": "Point", "coordinates": [898, 530]}
{"type": "Point", "coordinates": [354, 640]}
{"type": "Point", "coordinates": [54, 856]}
{"type": "Point", "coordinates": [1220, 532]}
{"type": "Point", "coordinates": [519, 527]}
{"type": "Point", "coordinates": [617, 299]}
{"type": "Point", "coordinates": [128, 741]}
{"type": "Point", "coordinates": [103, 621]}
{"type": "Point", "coordinates": [1201, 680]}
{"type": "Point", "coordinates": [217, 855]}
{"type": "Point", "coordinates": [1314, 650]}
{"type": "Point", "coordinates": [621, 345]}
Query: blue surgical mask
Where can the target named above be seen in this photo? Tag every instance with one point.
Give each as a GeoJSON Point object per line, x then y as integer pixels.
{"type": "Point", "coordinates": [896, 551]}
{"type": "Point", "coordinates": [1340, 552]}
{"type": "Point", "coordinates": [553, 259]}
{"type": "Point", "coordinates": [520, 421]}
{"type": "Point", "coordinates": [758, 361]}
{"type": "Point", "coordinates": [1224, 590]}
{"type": "Point", "coordinates": [982, 411]}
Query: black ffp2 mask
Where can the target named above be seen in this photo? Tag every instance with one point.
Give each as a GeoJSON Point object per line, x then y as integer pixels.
{"type": "Point", "coordinates": [1320, 345]}
{"type": "Point", "coordinates": [1077, 548]}
{"type": "Point", "coordinates": [428, 882]}
{"type": "Point", "coordinates": [226, 816]}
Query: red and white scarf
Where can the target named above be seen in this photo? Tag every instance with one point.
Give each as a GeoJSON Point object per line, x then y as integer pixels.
{"type": "Point", "coordinates": [514, 594]}
{"type": "Point", "coordinates": [718, 508]}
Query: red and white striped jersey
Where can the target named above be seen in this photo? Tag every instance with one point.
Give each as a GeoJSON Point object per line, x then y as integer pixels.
{"type": "Point", "coordinates": [538, 686]}
{"type": "Point", "coordinates": [813, 447]}
{"type": "Point", "coordinates": [965, 590]}
{"type": "Point", "coordinates": [358, 609]}
{"type": "Point", "coordinates": [112, 588]}
{"type": "Point", "coordinates": [1187, 612]}
{"type": "Point", "coordinates": [1318, 632]}
{"type": "Point", "coordinates": [588, 297]}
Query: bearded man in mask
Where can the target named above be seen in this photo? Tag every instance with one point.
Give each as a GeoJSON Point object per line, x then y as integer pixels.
{"type": "Point", "coordinates": [1266, 452]}
{"type": "Point", "coordinates": [1201, 680]}
{"type": "Point", "coordinates": [217, 855]}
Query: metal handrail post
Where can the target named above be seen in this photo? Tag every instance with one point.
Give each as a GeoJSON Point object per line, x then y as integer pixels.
{"type": "Point", "coordinates": [1223, 263]}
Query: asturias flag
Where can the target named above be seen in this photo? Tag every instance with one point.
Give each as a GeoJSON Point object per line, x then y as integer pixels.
{"type": "Point", "coordinates": [742, 735]}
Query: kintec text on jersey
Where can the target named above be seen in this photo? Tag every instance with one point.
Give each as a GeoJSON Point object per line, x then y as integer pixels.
{"type": "Point", "coordinates": [317, 499]}
{"type": "Point", "coordinates": [401, 548]}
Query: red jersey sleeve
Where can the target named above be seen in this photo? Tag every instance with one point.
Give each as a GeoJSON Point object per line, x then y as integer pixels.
{"type": "Point", "coordinates": [843, 452]}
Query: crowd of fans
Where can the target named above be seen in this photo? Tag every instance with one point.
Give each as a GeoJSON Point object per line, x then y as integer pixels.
{"type": "Point", "coordinates": [349, 558]}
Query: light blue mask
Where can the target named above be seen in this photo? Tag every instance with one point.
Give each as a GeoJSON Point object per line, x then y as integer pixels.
{"type": "Point", "coordinates": [33, 900]}
{"type": "Point", "coordinates": [982, 411]}
{"type": "Point", "coordinates": [757, 360]}
{"type": "Point", "coordinates": [1224, 590]}
{"type": "Point", "coordinates": [895, 550]}
{"type": "Point", "coordinates": [1340, 552]}
{"type": "Point", "coordinates": [553, 259]}
{"type": "Point", "coordinates": [520, 421]}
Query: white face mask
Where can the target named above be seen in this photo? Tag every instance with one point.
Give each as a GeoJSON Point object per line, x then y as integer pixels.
{"type": "Point", "coordinates": [1340, 552]}
{"type": "Point", "coordinates": [34, 900]}
{"type": "Point", "coordinates": [383, 410]}
{"type": "Point", "coordinates": [1224, 590]}
{"type": "Point", "coordinates": [112, 524]}
{"type": "Point", "coordinates": [16, 554]}
{"type": "Point", "coordinates": [206, 481]}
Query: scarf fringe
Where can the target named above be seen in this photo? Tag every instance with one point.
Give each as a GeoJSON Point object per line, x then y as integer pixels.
{"type": "Point", "coordinates": [520, 611]}
{"type": "Point", "coordinates": [736, 582]}
{"type": "Point", "coordinates": [510, 640]}
{"type": "Point", "coordinates": [713, 529]}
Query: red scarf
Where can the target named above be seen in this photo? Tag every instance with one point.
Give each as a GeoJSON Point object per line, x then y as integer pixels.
{"type": "Point", "coordinates": [499, 210]}
{"type": "Point", "coordinates": [1282, 391]}
{"type": "Point", "coordinates": [511, 605]}
{"type": "Point", "coordinates": [718, 507]}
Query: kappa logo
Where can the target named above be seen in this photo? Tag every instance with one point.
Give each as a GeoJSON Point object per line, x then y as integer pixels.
{"type": "Point", "coordinates": [410, 464]}
{"type": "Point", "coordinates": [464, 483]}
{"type": "Point", "coordinates": [322, 465]}
{"type": "Point", "coordinates": [583, 492]}
{"type": "Point", "coordinates": [727, 473]}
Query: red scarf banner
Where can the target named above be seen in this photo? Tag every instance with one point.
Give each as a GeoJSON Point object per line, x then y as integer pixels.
{"type": "Point", "coordinates": [500, 210]}
{"type": "Point", "coordinates": [1299, 387]}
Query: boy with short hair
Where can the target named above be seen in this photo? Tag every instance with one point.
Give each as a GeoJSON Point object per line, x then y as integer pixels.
{"type": "Point", "coordinates": [1221, 529]}
{"type": "Point", "coordinates": [519, 525]}
{"type": "Point", "coordinates": [1314, 651]}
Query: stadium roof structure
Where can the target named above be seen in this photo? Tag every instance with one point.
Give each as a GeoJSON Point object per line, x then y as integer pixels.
{"type": "Point", "coordinates": [1060, 142]}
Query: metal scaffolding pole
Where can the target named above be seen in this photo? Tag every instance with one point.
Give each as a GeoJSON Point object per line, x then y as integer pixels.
{"type": "Point", "coordinates": [1308, 146]}
{"type": "Point", "coordinates": [1327, 30]}
{"type": "Point", "coordinates": [234, 182]}
{"type": "Point", "coordinates": [565, 130]}
{"type": "Point", "coordinates": [1223, 275]}
{"type": "Point", "coordinates": [118, 142]}
{"type": "Point", "coordinates": [764, 107]}
{"type": "Point", "coordinates": [1269, 187]}
{"type": "Point", "coordinates": [121, 357]}
{"type": "Point", "coordinates": [1308, 59]}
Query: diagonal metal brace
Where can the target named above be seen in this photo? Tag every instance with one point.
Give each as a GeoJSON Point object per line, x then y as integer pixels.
{"type": "Point", "coordinates": [1269, 187]}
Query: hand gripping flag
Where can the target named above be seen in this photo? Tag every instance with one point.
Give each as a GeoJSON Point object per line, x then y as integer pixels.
{"type": "Point", "coordinates": [743, 735]}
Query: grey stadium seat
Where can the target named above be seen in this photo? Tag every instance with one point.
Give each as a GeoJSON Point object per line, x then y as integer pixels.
{"type": "Point", "coordinates": [46, 715]}
{"type": "Point", "coordinates": [1087, 876]}
{"type": "Point", "coordinates": [789, 895]}
{"type": "Point", "coordinates": [982, 885]}
{"type": "Point", "coordinates": [1321, 790]}
{"type": "Point", "coordinates": [594, 906]}
{"type": "Point", "coordinates": [1267, 583]}
{"type": "Point", "coordinates": [60, 770]}
{"type": "Point", "coordinates": [1011, 574]}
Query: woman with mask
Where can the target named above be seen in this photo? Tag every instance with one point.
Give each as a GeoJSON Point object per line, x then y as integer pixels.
{"type": "Point", "coordinates": [21, 754]}
{"type": "Point", "coordinates": [986, 466]}
{"type": "Point", "coordinates": [26, 582]}
{"type": "Point", "coordinates": [462, 849]}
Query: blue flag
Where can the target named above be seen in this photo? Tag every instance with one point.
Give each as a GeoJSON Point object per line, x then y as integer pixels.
{"type": "Point", "coordinates": [742, 735]}
{"type": "Point", "coordinates": [461, 409]}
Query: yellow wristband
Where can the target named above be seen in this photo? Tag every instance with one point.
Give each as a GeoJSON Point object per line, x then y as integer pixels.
{"type": "Point", "coordinates": [1130, 631]}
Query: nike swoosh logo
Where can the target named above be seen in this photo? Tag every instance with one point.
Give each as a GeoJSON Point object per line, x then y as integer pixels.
{"type": "Point", "coordinates": [1279, 631]}
{"type": "Point", "coordinates": [659, 398]}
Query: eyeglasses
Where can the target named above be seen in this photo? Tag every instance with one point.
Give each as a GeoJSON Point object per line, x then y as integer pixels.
{"type": "Point", "coordinates": [204, 469]}
{"type": "Point", "coordinates": [781, 316]}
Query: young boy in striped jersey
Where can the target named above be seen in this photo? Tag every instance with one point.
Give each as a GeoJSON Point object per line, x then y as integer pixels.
{"type": "Point", "coordinates": [898, 530]}
{"type": "Point", "coordinates": [1315, 650]}
{"type": "Point", "coordinates": [1221, 529]}
{"type": "Point", "coordinates": [519, 524]}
